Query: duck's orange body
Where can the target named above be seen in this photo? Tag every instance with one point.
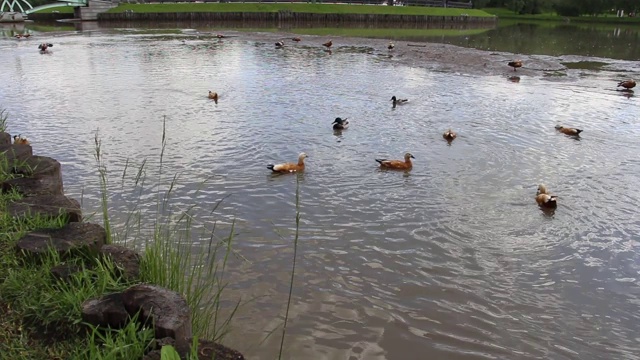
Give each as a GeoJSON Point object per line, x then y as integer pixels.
{"type": "Point", "coordinates": [405, 164]}
{"type": "Point", "coordinates": [568, 130]}
{"type": "Point", "coordinates": [213, 96]}
{"type": "Point", "coordinates": [296, 39]}
{"type": "Point", "coordinates": [544, 199]}
{"type": "Point", "coordinates": [328, 44]}
{"type": "Point", "coordinates": [627, 84]}
{"type": "Point", "coordinates": [515, 64]}
{"type": "Point", "coordinates": [289, 167]}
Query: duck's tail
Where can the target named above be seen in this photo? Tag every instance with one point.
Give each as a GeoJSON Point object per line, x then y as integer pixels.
{"type": "Point", "coordinates": [578, 131]}
{"type": "Point", "coordinates": [380, 160]}
{"type": "Point", "coordinates": [270, 167]}
{"type": "Point", "coordinates": [552, 199]}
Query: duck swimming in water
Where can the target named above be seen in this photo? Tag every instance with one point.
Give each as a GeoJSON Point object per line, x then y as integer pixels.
{"type": "Point", "coordinates": [340, 124]}
{"type": "Point", "coordinates": [44, 46]}
{"type": "Point", "coordinates": [213, 96]}
{"type": "Point", "coordinates": [544, 199]}
{"type": "Point", "coordinates": [449, 135]}
{"type": "Point", "coordinates": [289, 167]}
{"type": "Point", "coordinates": [568, 130]}
{"type": "Point", "coordinates": [405, 164]}
{"type": "Point", "coordinates": [328, 44]}
{"type": "Point", "coordinates": [397, 101]}
{"type": "Point", "coordinates": [279, 45]}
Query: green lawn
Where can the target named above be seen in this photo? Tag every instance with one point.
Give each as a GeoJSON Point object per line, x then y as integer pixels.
{"type": "Point", "coordinates": [387, 33]}
{"type": "Point", "coordinates": [304, 8]}
{"type": "Point", "coordinates": [503, 13]}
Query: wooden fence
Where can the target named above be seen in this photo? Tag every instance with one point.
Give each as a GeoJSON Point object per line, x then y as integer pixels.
{"type": "Point", "coordinates": [432, 3]}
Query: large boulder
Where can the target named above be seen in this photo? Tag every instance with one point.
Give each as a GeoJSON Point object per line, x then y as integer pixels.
{"type": "Point", "coordinates": [72, 237]}
{"type": "Point", "coordinates": [166, 309]}
{"type": "Point", "coordinates": [5, 138]}
{"type": "Point", "coordinates": [48, 206]}
{"type": "Point", "coordinates": [127, 260]}
{"type": "Point", "coordinates": [15, 154]}
{"type": "Point", "coordinates": [39, 175]}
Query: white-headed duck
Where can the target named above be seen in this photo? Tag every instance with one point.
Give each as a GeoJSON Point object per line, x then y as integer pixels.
{"type": "Point", "coordinates": [19, 140]}
{"type": "Point", "coordinates": [340, 124]}
{"type": "Point", "coordinates": [328, 44]}
{"type": "Point", "coordinates": [289, 167]}
{"type": "Point", "coordinates": [279, 44]}
{"type": "Point", "coordinates": [405, 164]}
{"type": "Point", "coordinates": [449, 135]}
{"type": "Point", "coordinates": [627, 84]}
{"type": "Point", "coordinates": [515, 64]}
{"type": "Point", "coordinates": [397, 101]}
{"type": "Point", "coordinates": [568, 130]}
{"type": "Point", "coordinates": [213, 96]}
{"type": "Point", "coordinates": [544, 199]}
{"type": "Point", "coordinates": [390, 46]}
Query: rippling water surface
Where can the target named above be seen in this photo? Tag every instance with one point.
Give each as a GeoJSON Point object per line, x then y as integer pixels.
{"type": "Point", "coordinates": [452, 260]}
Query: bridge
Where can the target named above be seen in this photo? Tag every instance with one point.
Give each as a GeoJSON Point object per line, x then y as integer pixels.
{"type": "Point", "coordinates": [24, 7]}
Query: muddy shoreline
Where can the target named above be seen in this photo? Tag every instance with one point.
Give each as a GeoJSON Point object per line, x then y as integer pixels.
{"type": "Point", "coordinates": [432, 56]}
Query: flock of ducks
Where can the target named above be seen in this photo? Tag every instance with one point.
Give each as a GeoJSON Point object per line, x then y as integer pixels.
{"type": "Point", "coordinates": [43, 47]}
{"type": "Point", "coordinates": [543, 198]}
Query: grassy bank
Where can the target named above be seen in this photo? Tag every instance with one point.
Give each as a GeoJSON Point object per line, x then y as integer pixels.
{"type": "Point", "coordinates": [40, 315]}
{"type": "Point", "coordinates": [502, 13]}
{"type": "Point", "coordinates": [302, 8]}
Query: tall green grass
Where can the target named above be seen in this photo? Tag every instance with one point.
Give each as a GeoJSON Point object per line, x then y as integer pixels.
{"type": "Point", "coordinates": [4, 116]}
{"type": "Point", "coordinates": [170, 257]}
{"type": "Point", "coordinates": [293, 267]}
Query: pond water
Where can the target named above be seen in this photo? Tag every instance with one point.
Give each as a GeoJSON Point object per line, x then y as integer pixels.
{"type": "Point", "coordinates": [452, 260]}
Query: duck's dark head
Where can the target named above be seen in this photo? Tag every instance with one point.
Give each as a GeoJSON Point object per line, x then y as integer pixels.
{"type": "Point", "coordinates": [393, 98]}
{"type": "Point", "coordinates": [338, 120]}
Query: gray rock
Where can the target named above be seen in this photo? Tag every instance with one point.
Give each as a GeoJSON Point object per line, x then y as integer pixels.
{"type": "Point", "coordinates": [63, 272]}
{"type": "Point", "coordinates": [5, 138]}
{"type": "Point", "coordinates": [40, 176]}
{"type": "Point", "coordinates": [166, 309]}
{"type": "Point", "coordinates": [50, 206]}
{"type": "Point", "coordinates": [15, 153]}
{"type": "Point", "coordinates": [207, 350]}
{"type": "Point", "coordinates": [107, 311]}
{"type": "Point", "coordinates": [71, 237]}
{"type": "Point", "coordinates": [127, 260]}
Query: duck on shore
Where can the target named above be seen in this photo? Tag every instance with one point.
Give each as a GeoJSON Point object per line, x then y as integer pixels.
{"type": "Point", "coordinates": [515, 64]}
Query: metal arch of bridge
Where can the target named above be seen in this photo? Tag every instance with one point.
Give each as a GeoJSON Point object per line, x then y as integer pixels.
{"type": "Point", "coordinates": [57, 4]}
{"type": "Point", "coordinates": [20, 5]}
